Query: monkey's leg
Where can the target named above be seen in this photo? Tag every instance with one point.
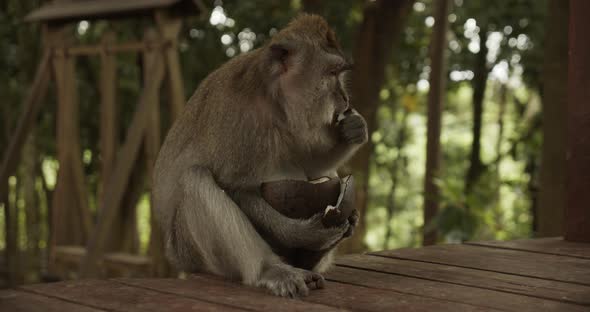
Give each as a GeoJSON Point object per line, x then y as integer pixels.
{"type": "Point", "coordinates": [211, 233]}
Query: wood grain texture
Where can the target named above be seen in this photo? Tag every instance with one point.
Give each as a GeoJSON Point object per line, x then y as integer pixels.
{"type": "Point", "coordinates": [552, 246]}
{"type": "Point", "coordinates": [214, 289]}
{"type": "Point", "coordinates": [533, 287]}
{"type": "Point", "coordinates": [438, 278]}
{"type": "Point", "coordinates": [551, 267]}
{"type": "Point", "coordinates": [357, 297]}
{"type": "Point", "coordinates": [110, 295]}
{"type": "Point", "coordinates": [482, 298]}
{"type": "Point", "coordinates": [18, 300]}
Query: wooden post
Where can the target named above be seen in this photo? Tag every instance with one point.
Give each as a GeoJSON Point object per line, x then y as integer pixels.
{"type": "Point", "coordinates": [435, 106]}
{"type": "Point", "coordinates": [577, 211]}
{"type": "Point", "coordinates": [118, 181]}
{"type": "Point", "coordinates": [108, 113]}
{"type": "Point", "coordinates": [152, 147]}
{"type": "Point", "coordinates": [169, 28]}
{"type": "Point", "coordinates": [71, 218]}
{"type": "Point", "coordinates": [32, 106]}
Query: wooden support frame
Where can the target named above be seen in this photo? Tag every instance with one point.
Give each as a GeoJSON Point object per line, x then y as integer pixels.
{"type": "Point", "coordinates": [122, 171]}
{"type": "Point", "coordinates": [32, 106]}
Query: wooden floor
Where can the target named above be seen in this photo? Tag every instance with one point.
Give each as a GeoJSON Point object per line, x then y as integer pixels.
{"type": "Point", "coordinates": [526, 275]}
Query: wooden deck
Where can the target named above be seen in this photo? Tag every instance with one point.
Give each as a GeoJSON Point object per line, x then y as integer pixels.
{"type": "Point", "coordinates": [526, 275]}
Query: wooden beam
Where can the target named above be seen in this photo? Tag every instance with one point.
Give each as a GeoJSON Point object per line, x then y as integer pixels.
{"type": "Point", "coordinates": [169, 28]}
{"type": "Point", "coordinates": [32, 105]}
{"type": "Point", "coordinates": [577, 211]}
{"type": "Point", "coordinates": [98, 49]}
{"type": "Point", "coordinates": [123, 167]}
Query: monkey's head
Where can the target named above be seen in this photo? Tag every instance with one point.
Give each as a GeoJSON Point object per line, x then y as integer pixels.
{"type": "Point", "coordinates": [308, 71]}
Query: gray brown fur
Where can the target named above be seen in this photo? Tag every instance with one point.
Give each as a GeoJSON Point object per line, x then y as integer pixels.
{"type": "Point", "coordinates": [264, 115]}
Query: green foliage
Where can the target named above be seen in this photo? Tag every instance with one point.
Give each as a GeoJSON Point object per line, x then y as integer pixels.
{"type": "Point", "coordinates": [500, 205]}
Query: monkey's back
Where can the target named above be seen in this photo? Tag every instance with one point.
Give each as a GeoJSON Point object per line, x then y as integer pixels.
{"type": "Point", "coordinates": [227, 127]}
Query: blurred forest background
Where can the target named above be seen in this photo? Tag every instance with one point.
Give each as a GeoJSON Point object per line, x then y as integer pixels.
{"type": "Point", "coordinates": [498, 73]}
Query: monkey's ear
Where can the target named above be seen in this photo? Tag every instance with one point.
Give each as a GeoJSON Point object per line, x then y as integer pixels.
{"type": "Point", "coordinates": [281, 52]}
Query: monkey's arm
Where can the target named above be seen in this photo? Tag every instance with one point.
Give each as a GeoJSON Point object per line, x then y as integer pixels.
{"type": "Point", "coordinates": [353, 133]}
{"type": "Point", "coordinates": [287, 232]}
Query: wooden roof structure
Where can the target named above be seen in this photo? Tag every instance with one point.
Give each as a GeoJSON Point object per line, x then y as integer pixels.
{"type": "Point", "coordinates": [61, 11]}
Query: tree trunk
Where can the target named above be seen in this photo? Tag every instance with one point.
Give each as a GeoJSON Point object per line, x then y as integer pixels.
{"type": "Point", "coordinates": [502, 101]}
{"type": "Point", "coordinates": [438, 81]}
{"type": "Point", "coordinates": [394, 173]}
{"type": "Point", "coordinates": [552, 192]}
{"type": "Point", "coordinates": [480, 79]}
{"type": "Point", "coordinates": [377, 37]}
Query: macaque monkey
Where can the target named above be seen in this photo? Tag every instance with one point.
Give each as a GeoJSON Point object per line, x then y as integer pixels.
{"type": "Point", "coordinates": [277, 112]}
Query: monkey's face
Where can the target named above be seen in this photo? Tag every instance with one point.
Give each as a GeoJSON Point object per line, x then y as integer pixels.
{"type": "Point", "coordinates": [312, 71]}
{"type": "Point", "coordinates": [331, 80]}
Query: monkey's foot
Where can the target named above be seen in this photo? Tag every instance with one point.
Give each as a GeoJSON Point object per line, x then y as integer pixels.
{"type": "Point", "coordinates": [286, 281]}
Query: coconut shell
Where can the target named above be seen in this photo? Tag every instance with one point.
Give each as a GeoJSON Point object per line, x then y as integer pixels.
{"type": "Point", "coordinates": [303, 199]}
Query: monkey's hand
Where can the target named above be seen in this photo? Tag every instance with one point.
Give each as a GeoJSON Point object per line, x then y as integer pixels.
{"type": "Point", "coordinates": [313, 235]}
{"type": "Point", "coordinates": [353, 128]}
{"type": "Point", "coordinates": [353, 219]}
{"type": "Point", "coordinates": [287, 281]}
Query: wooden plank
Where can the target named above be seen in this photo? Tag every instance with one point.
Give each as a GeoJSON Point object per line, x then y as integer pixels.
{"type": "Point", "coordinates": [213, 289]}
{"type": "Point", "coordinates": [123, 167]}
{"type": "Point", "coordinates": [336, 295]}
{"type": "Point", "coordinates": [514, 284]}
{"type": "Point", "coordinates": [551, 246]}
{"type": "Point", "coordinates": [366, 298]}
{"type": "Point", "coordinates": [110, 295]}
{"type": "Point", "coordinates": [552, 267]}
{"type": "Point", "coordinates": [577, 211]}
{"type": "Point", "coordinates": [483, 298]}
{"type": "Point", "coordinates": [18, 300]}
{"type": "Point", "coordinates": [32, 105]}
